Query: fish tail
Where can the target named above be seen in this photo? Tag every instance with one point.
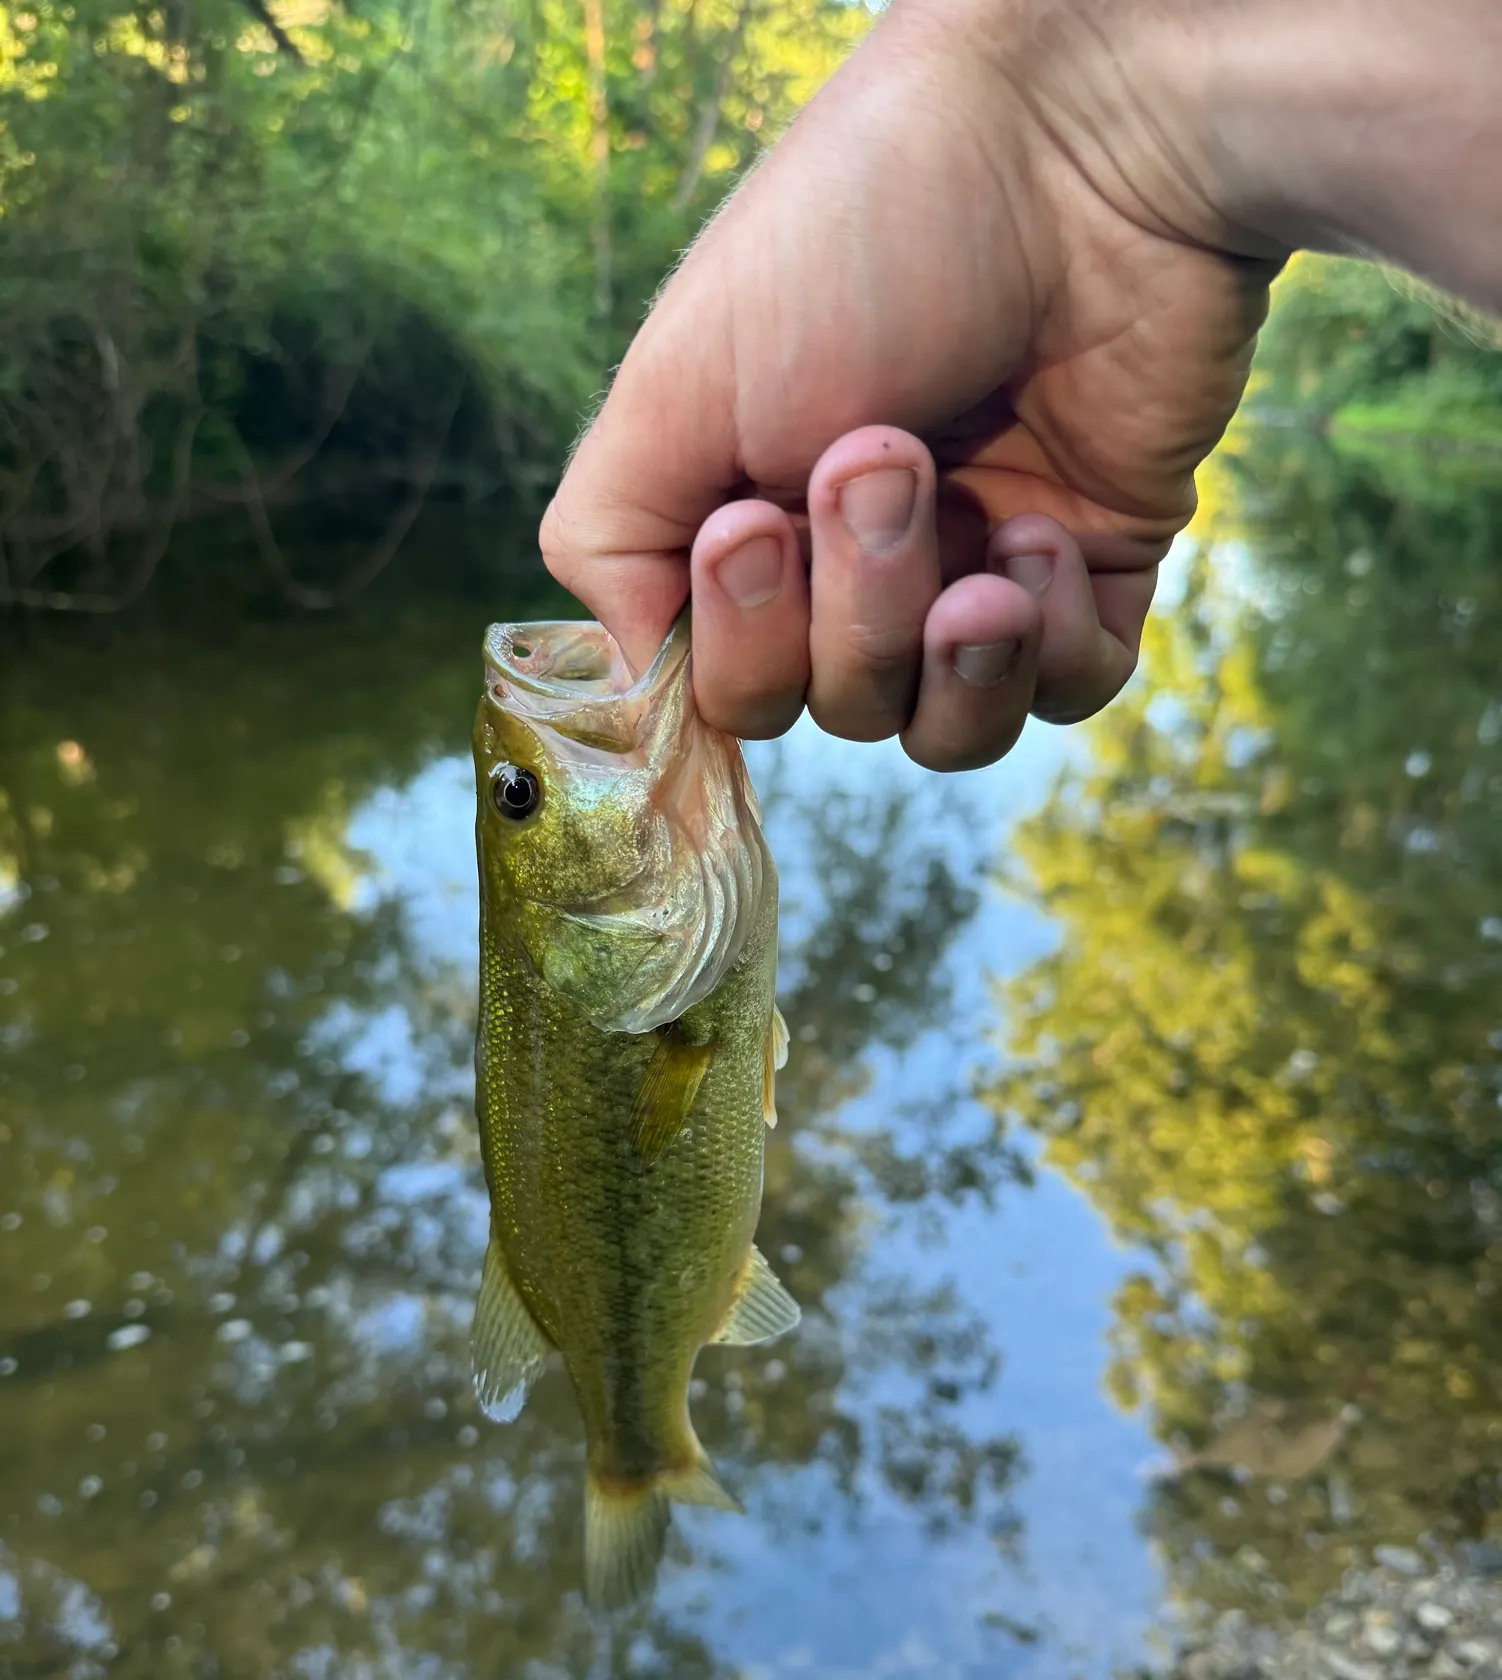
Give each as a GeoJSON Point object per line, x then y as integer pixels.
{"type": "Point", "coordinates": [626, 1526]}
{"type": "Point", "coordinates": [625, 1529]}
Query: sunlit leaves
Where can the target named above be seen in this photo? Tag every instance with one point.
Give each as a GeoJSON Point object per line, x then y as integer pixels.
{"type": "Point", "coordinates": [1267, 1046]}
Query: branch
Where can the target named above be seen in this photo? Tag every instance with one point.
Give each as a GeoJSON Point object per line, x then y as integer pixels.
{"type": "Point", "coordinates": [295, 460]}
{"type": "Point", "coordinates": [380, 556]}
{"type": "Point", "coordinates": [262, 12]}
{"type": "Point", "coordinates": [152, 549]}
{"type": "Point", "coordinates": [709, 117]}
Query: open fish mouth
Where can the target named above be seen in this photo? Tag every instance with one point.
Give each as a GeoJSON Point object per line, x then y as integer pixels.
{"type": "Point", "coordinates": [571, 676]}
{"type": "Point", "coordinates": [668, 929]}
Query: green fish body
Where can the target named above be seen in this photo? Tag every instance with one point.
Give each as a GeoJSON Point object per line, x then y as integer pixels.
{"type": "Point", "coordinates": [628, 1038]}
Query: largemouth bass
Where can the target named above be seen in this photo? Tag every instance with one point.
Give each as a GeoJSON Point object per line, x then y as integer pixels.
{"type": "Point", "coordinates": [627, 1047]}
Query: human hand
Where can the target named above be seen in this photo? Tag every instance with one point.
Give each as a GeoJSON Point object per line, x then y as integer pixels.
{"type": "Point", "coordinates": [920, 413]}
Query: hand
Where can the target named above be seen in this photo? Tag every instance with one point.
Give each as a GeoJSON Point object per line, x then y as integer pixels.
{"type": "Point", "coordinates": [920, 413]}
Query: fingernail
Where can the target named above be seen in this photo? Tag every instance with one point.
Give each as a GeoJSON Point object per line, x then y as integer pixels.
{"type": "Point", "coordinates": [878, 508]}
{"type": "Point", "coordinates": [752, 574]}
{"type": "Point", "coordinates": [1033, 571]}
{"type": "Point", "coordinates": [984, 664]}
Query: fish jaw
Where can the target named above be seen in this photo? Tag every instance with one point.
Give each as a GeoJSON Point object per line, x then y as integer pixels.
{"type": "Point", "coordinates": [636, 888]}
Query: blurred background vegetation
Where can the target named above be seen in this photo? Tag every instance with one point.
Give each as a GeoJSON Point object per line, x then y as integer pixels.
{"type": "Point", "coordinates": [278, 282]}
{"type": "Point", "coordinates": [1269, 1046]}
{"type": "Point", "coordinates": [262, 261]}
{"type": "Point", "coordinates": [257, 258]}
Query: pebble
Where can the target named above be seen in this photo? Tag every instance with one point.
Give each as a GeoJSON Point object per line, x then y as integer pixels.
{"type": "Point", "coordinates": [1402, 1560]}
{"type": "Point", "coordinates": [1382, 1641]}
{"type": "Point", "coordinates": [1404, 1618]}
{"type": "Point", "coordinates": [1476, 1653]}
{"type": "Point", "coordinates": [1348, 1668]}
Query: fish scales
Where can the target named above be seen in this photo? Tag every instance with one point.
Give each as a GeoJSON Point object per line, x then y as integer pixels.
{"type": "Point", "coordinates": [619, 1258]}
{"type": "Point", "coordinates": [627, 1040]}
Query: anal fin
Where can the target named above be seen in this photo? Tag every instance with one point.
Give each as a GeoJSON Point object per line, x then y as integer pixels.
{"type": "Point", "coordinates": [507, 1347]}
{"type": "Point", "coordinates": [762, 1310]}
{"type": "Point", "coordinates": [701, 1486]}
{"type": "Point", "coordinates": [777, 1055]}
{"type": "Point", "coordinates": [667, 1093]}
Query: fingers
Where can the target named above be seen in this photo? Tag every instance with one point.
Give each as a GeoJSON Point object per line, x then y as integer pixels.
{"type": "Point", "coordinates": [1083, 663]}
{"type": "Point", "coordinates": [1024, 636]}
{"type": "Point", "coordinates": [876, 643]}
{"type": "Point", "coordinates": [750, 629]}
{"type": "Point", "coordinates": [875, 574]}
{"type": "Point", "coordinates": [980, 664]}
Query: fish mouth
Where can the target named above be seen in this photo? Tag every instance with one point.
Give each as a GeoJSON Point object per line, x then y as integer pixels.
{"type": "Point", "coordinates": [551, 670]}
{"type": "Point", "coordinates": [681, 918]}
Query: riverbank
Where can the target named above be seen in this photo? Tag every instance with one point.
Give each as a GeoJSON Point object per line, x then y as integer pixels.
{"type": "Point", "coordinates": [1403, 1618]}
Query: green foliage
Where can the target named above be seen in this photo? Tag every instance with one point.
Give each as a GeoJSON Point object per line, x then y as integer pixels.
{"type": "Point", "coordinates": [1368, 350]}
{"type": "Point", "coordinates": [252, 255]}
{"type": "Point", "coordinates": [1266, 1047]}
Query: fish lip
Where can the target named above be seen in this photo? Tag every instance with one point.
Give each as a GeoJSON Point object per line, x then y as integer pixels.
{"type": "Point", "coordinates": [523, 683]}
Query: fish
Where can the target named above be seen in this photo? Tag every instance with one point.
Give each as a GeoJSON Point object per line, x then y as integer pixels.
{"type": "Point", "coordinates": [625, 1064]}
{"type": "Point", "coordinates": [1264, 1442]}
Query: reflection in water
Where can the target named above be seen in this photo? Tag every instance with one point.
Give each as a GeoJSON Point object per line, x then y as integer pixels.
{"type": "Point", "coordinates": [241, 1213]}
{"type": "Point", "coordinates": [1267, 1048]}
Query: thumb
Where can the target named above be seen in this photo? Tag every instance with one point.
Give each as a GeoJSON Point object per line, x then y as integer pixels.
{"type": "Point", "coordinates": [659, 458]}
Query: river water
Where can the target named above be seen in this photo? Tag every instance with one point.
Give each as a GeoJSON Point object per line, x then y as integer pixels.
{"type": "Point", "coordinates": [1143, 1104]}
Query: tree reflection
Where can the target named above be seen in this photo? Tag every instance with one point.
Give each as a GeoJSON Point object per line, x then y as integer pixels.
{"type": "Point", "coordinates": [1267, 1047]}
{"type": "Point", "coordinates": [241, 1211]}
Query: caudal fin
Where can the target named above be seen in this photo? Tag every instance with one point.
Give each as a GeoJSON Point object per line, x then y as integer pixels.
{"type": "Point", "coordinates": [625, 1529]}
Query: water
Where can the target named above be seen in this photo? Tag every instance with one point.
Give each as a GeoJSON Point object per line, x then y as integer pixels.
{"type": "Point", "coordinates": [1147, 1079]}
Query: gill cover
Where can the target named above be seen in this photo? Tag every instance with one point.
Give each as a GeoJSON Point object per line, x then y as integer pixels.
{"type": "Point", "coordinates": [659, 865]}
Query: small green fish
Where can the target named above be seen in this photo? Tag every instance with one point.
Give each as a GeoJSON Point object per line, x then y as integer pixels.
{"type": "Point", "coordinates": [627, 1046]}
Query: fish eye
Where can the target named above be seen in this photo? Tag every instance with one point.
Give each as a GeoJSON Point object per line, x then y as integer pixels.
{"type": "Point", "coordinates": [515, 792]}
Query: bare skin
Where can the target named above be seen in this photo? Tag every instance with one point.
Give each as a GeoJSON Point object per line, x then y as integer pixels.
{"type": "Point", "coordinates": [919, 415]}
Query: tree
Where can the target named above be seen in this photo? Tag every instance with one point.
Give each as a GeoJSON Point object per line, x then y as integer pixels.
{"type": "Point", "coordinates": [1266, 1048]}
{"type": "Point", "coordinates": [251, 255]}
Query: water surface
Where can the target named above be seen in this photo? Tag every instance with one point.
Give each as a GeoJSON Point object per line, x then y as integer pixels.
{"type": "Point", "coordinates": [1148, 1079]}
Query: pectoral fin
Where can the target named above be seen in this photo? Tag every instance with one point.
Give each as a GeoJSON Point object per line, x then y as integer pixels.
{"type": "Point", "coordinates": [762, 1310]}
{"type": "Point", "coordinates": [667, 1093]}
{"type": "Point", "coordinates": [507, 1348]}
{"type": "Point", "coordinates": [777, 1055]}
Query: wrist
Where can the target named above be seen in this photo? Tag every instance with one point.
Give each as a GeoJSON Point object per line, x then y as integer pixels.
{"type": "Point", "coordinates": [1363, 127]}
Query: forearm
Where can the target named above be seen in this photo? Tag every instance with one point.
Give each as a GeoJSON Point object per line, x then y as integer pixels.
{"type": "Point", "coordinates": [1369, 127]}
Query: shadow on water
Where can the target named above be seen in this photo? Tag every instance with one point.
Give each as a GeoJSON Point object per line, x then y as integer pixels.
{"type": "Point", "coordinates": [241, 1209]}
{"type": "Point", "coordinates": [1269, 1046]}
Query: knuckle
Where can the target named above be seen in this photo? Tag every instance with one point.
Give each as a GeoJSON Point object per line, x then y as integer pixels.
{"type": "Point", "coordinates": [1072, 701]}
{"type": "Point", "coordinates": [557, 556]}
{"type": "Point", "coordinates": [883, 647]}
{"type": "Point", "coordinates": [766, 720]}
{"type": "Point", "coordinates": [754, 706]}
{"type": "Point", "coordinates": [952, 752]}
